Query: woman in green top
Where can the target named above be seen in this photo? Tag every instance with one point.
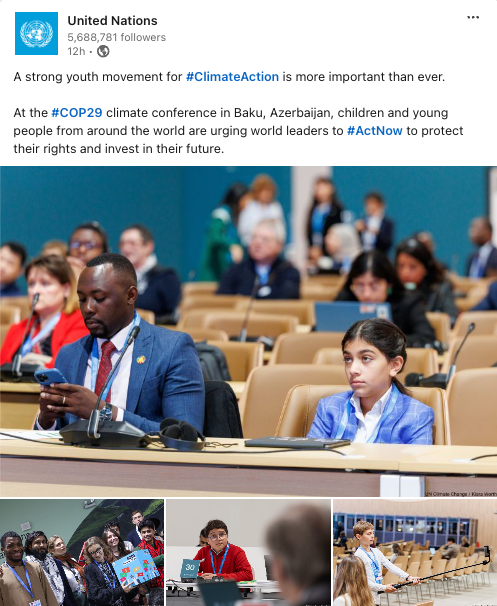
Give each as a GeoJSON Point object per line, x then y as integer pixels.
{"type": "Point", "coordinates": [222, 246]}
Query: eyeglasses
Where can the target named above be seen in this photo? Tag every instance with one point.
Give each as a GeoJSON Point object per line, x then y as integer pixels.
{"type": "Point", "coordinates": [93, 553]}
{"type": "Point", "coordinates": [85, 245]}
{"type": "Point", "coordinates": [213, 537]}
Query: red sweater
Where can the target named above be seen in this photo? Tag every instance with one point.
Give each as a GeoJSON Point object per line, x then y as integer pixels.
{"type": "Point", "coordinates": [236, 566]}
{"type": "Point", "coordinates": [68, 329]}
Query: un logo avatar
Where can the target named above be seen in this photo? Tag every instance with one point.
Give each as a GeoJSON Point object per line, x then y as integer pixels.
{"type": "Point", "coordinates": [36, 33]}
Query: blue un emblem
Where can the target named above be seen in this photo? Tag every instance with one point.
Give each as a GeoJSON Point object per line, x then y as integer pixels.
{"type": "Point", "coordinates": [37, 34]}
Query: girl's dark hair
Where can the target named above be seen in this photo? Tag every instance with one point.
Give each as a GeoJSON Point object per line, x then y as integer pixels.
{"type": "Point", "coordinates": [383, 335]}
{"type": "Point", "coordinates": [380, 266]}
{"type": "Point", "coordinates": [396, 548]}
{"type": "Point", "coordinates": [232, 199]}
{"type": "Point", "coordinates": [98, 229]}
{"type": "Point", "coordinates": [416, 249]}
{"type": "Point", "coordinates": [120, 545]}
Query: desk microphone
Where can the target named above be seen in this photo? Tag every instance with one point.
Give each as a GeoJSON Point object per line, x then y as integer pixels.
{"type": "Point", "coordinates": [439, 379]}
{"type": "Point", "coordinates": [112, 433]}
{"type": "Point", "coordinates": [16, 361]}
{"type": "Point", "coordinates": [243, 332]}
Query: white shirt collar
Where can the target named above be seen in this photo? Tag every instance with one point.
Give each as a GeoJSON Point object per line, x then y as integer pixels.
{"type": "Point", "coordinates": [150, 263]}
{"type": "Point", "coordinates": [118, 340]}
{"type": "Point", "coordinates": [377, 409]}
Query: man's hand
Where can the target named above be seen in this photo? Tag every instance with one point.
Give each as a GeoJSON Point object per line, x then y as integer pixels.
{"type": "Point", "coordinates": [389, 588]}
{"type": "Point", "coordinates": [207, 575]}
{"type": "Point", "coordinates": [62, 398]}
{"type": "Point", "coordinates": [127, 587]}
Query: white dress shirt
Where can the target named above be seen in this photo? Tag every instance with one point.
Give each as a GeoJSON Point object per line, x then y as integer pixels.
{"type": "Point", "coordinates": [119, 387]}
{"type": "Point", "coordinates": [480, 260]}
{"type": "Point", "coordinates": [366, 424]}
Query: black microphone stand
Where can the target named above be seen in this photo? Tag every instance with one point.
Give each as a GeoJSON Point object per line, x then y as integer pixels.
{"type": "Point", "coordinates": [484, 563]}
{"type": "Point", "coordinates": [16, 362]}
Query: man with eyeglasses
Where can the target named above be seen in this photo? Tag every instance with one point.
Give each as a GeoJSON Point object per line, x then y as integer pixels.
{"type": "Point", "coordinates": [221, 558]}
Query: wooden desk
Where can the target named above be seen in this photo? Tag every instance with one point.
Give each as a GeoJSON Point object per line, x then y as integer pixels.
{"type": "Point", "coordinates": [18, 404]}
{"type": "Point", "coordinates": [235, 472]}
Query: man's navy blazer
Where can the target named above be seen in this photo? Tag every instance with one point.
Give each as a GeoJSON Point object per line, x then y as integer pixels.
{"type": "Point", "coordinates": [167, 382]}
{"type": "Point", "coordinates": [489, 303]}
{"type": "Point", "coordinates": [134, 538]}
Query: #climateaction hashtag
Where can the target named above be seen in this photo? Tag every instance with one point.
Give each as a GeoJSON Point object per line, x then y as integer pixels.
{"type": "Point", "coordinates": [243, 77]}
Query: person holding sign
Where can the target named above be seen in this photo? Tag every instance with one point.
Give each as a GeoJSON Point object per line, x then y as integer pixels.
{"type": "Point", "coordinates": [156, 550]}
{"type": "Point", "coordinates": [102, 585]}
{"type": "Point", "coordinates": [22, 583]}
{"type": "Point", "coordinates": [374, 560]}
{"type": "Point", "coordinates": [221, 558]}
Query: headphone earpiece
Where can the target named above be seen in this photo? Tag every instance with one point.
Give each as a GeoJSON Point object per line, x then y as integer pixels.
{"type": "Point", "coordinates": [180, 435]}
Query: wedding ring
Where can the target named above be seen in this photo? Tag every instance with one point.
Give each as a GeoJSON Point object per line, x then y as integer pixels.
{"type": "Point", "coordinates": [64, 401]}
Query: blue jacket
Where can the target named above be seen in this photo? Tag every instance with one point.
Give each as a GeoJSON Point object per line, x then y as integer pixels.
{"type": "Point", "coordinates": [168, 383]}
{"type": "Point", "coordinates": [410, 422]}
{"type": "Point", "coordinates": [489, 303]}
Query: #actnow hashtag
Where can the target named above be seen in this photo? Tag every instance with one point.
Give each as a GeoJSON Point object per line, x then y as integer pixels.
{"type": "Point", "coordinates": [189, 77]}
{"type": "Point", "coordinates": [351, 130]}
{"type": "Point", "coordinates": [55, 112]}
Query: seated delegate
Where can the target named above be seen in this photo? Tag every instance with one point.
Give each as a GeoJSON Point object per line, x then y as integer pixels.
{"type": "Point", "coordinates": [220, 557]}
{"type": "Point", "coordinates": [159, 376]}
{"type": "Point", "coordinates": [56, 321]}
{"type": "Point", "coordinates": [373, 279]}
{"type": "Point", "coordinates": [378, 409]}
{"type": "Point", "coordinates": [278, 279]}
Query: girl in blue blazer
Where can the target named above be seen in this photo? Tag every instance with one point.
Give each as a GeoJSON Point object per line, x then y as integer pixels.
{"type": "Point", "coordinates": [378, 408]}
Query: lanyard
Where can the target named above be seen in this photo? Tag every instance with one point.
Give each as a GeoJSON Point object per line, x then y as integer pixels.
{"type": "Point", "coordinates": [30, 590]}
{"type": "Point", "coordinates": [222, 563]}
{"type": "Point", "coordinates": [95, 360]}
{"type": "Point", "coordinates": [107, 578]}
{"type": "Point", "coordinates": [374, 564]}
{"type": "Point", "coordinates": [44, 332]}
{"type": "Point", "coordinates": [392, 401]}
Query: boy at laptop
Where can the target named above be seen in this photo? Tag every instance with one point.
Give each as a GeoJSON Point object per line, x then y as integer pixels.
{"type": "Point", "coordinates": [221, 558]}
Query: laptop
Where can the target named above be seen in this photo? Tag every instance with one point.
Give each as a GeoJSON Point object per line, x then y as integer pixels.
{"type": "Point", "coordinates": [189, 571]}
{"type": "Point", "coordinates": [433, 551]}
{"type": "Point", "coordinates": [340, 315]}
{"type": "Point", "coordinates": [219, 594]}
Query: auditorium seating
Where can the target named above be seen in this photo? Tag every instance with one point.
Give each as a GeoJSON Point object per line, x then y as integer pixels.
{"type": "Point", "coordinates": [21, 302]}
{"type": "Point", "coordinates": [147, 315]}
{"type": "Point", "coordinates": [479, 351]}
{"type": "Point", "coordinates": [472, 407]}
{"type": "Point", "coordinates": [301, 403]}
{"type": "Point", "coordinates": [267, 387]}
{"type": "Point", "coordinates": [191, 288]}
{"type": "Point", "coordinates": [210, 301]}
{"type": "Point", "coordinates": [241, 358]}
{"type": "Point", "coordinates": [441, 325]}
{"type": "Point", "coordinates": [304, 310]}
{"type": "Point", "coordinates": [204, 334]}
{"type": "Point", "coordinates": [485, 322]}
{"type": "Point", "coordinates": [301, 348]}
{"type": "Point", "coordinates": [419, 360]}
{"type": "Point", "coordinates": [9, 314]}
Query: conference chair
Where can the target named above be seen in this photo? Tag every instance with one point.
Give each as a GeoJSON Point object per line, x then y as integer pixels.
{"type": "Point", "coordinates": [440, 323]}
{"type": "Point", "coordinates": [210, 301]}
{"type": "Point", "coordinates": [241, 358]}
{"type": "Point", "coordinates": [469, 571]}
{"type": "Point", "coordinates": [450, 572]}
{"type": "Point", "coordinates": [301, 403]}
{"type": "Point", "coordinates": [301, 348]}
{"type": "Point", "coordinates": [388, 579]}
{"type": "Point", "coordinates": [419, 360]}
{"type": "Point", "coordinates": [4, 329]}
{"type": "Point", "coordinates": [412, 571]}
{"type": "Point", "coordinates": [190, 288]}
{"type": "Point", "coordinates": [424, 571]}
{"type": "Point", "coordinates": [463, 284]}
{"type": "Point", "coordinates": [401, 562]}
{"type": "Point", "coordinates": [416, 557]}
{"type": "Point", "coordinates": [232, 321]}
{"type": "Point", "coordinates": [22, 302]}
{"type": "Point", "coordinates": [203, 334]}
{"type": "Point", "coordinates": [472, 407]}
{"type": "Point", "coordinates": [461, 562]}
{"type": "Point", "coordinates": [486, 569]}
{"type": "Point", "coordinates": [438, 573]}
{"type": "Point", "coordinates": [146, 315]}
{"type": "Point", "coordinates": [478, 570]}
{"type": "Point", "coordinates": [267, 387]}
{"type": "Point", "coordinates": [9, 314]}
{"type": "Point", "coordinates": [326, 279]}
{"type": "Point", "coordinates": [425, 557]}
{"type": "Point", "coordinates": [479, 351]}
{"type": "Point", "coordinates": [304, 310]}
{"type": "Point", "coordinates": [485, 322]}
{"type": "Point", "coordinates": [310, 291]}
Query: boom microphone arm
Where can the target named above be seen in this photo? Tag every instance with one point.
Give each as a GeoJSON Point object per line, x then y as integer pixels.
{"type": "Point", "coordinates": [484, 563]}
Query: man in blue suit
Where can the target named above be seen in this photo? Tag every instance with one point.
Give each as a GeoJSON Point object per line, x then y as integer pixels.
{"type": "Point", "coordinates": [159, 375]}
